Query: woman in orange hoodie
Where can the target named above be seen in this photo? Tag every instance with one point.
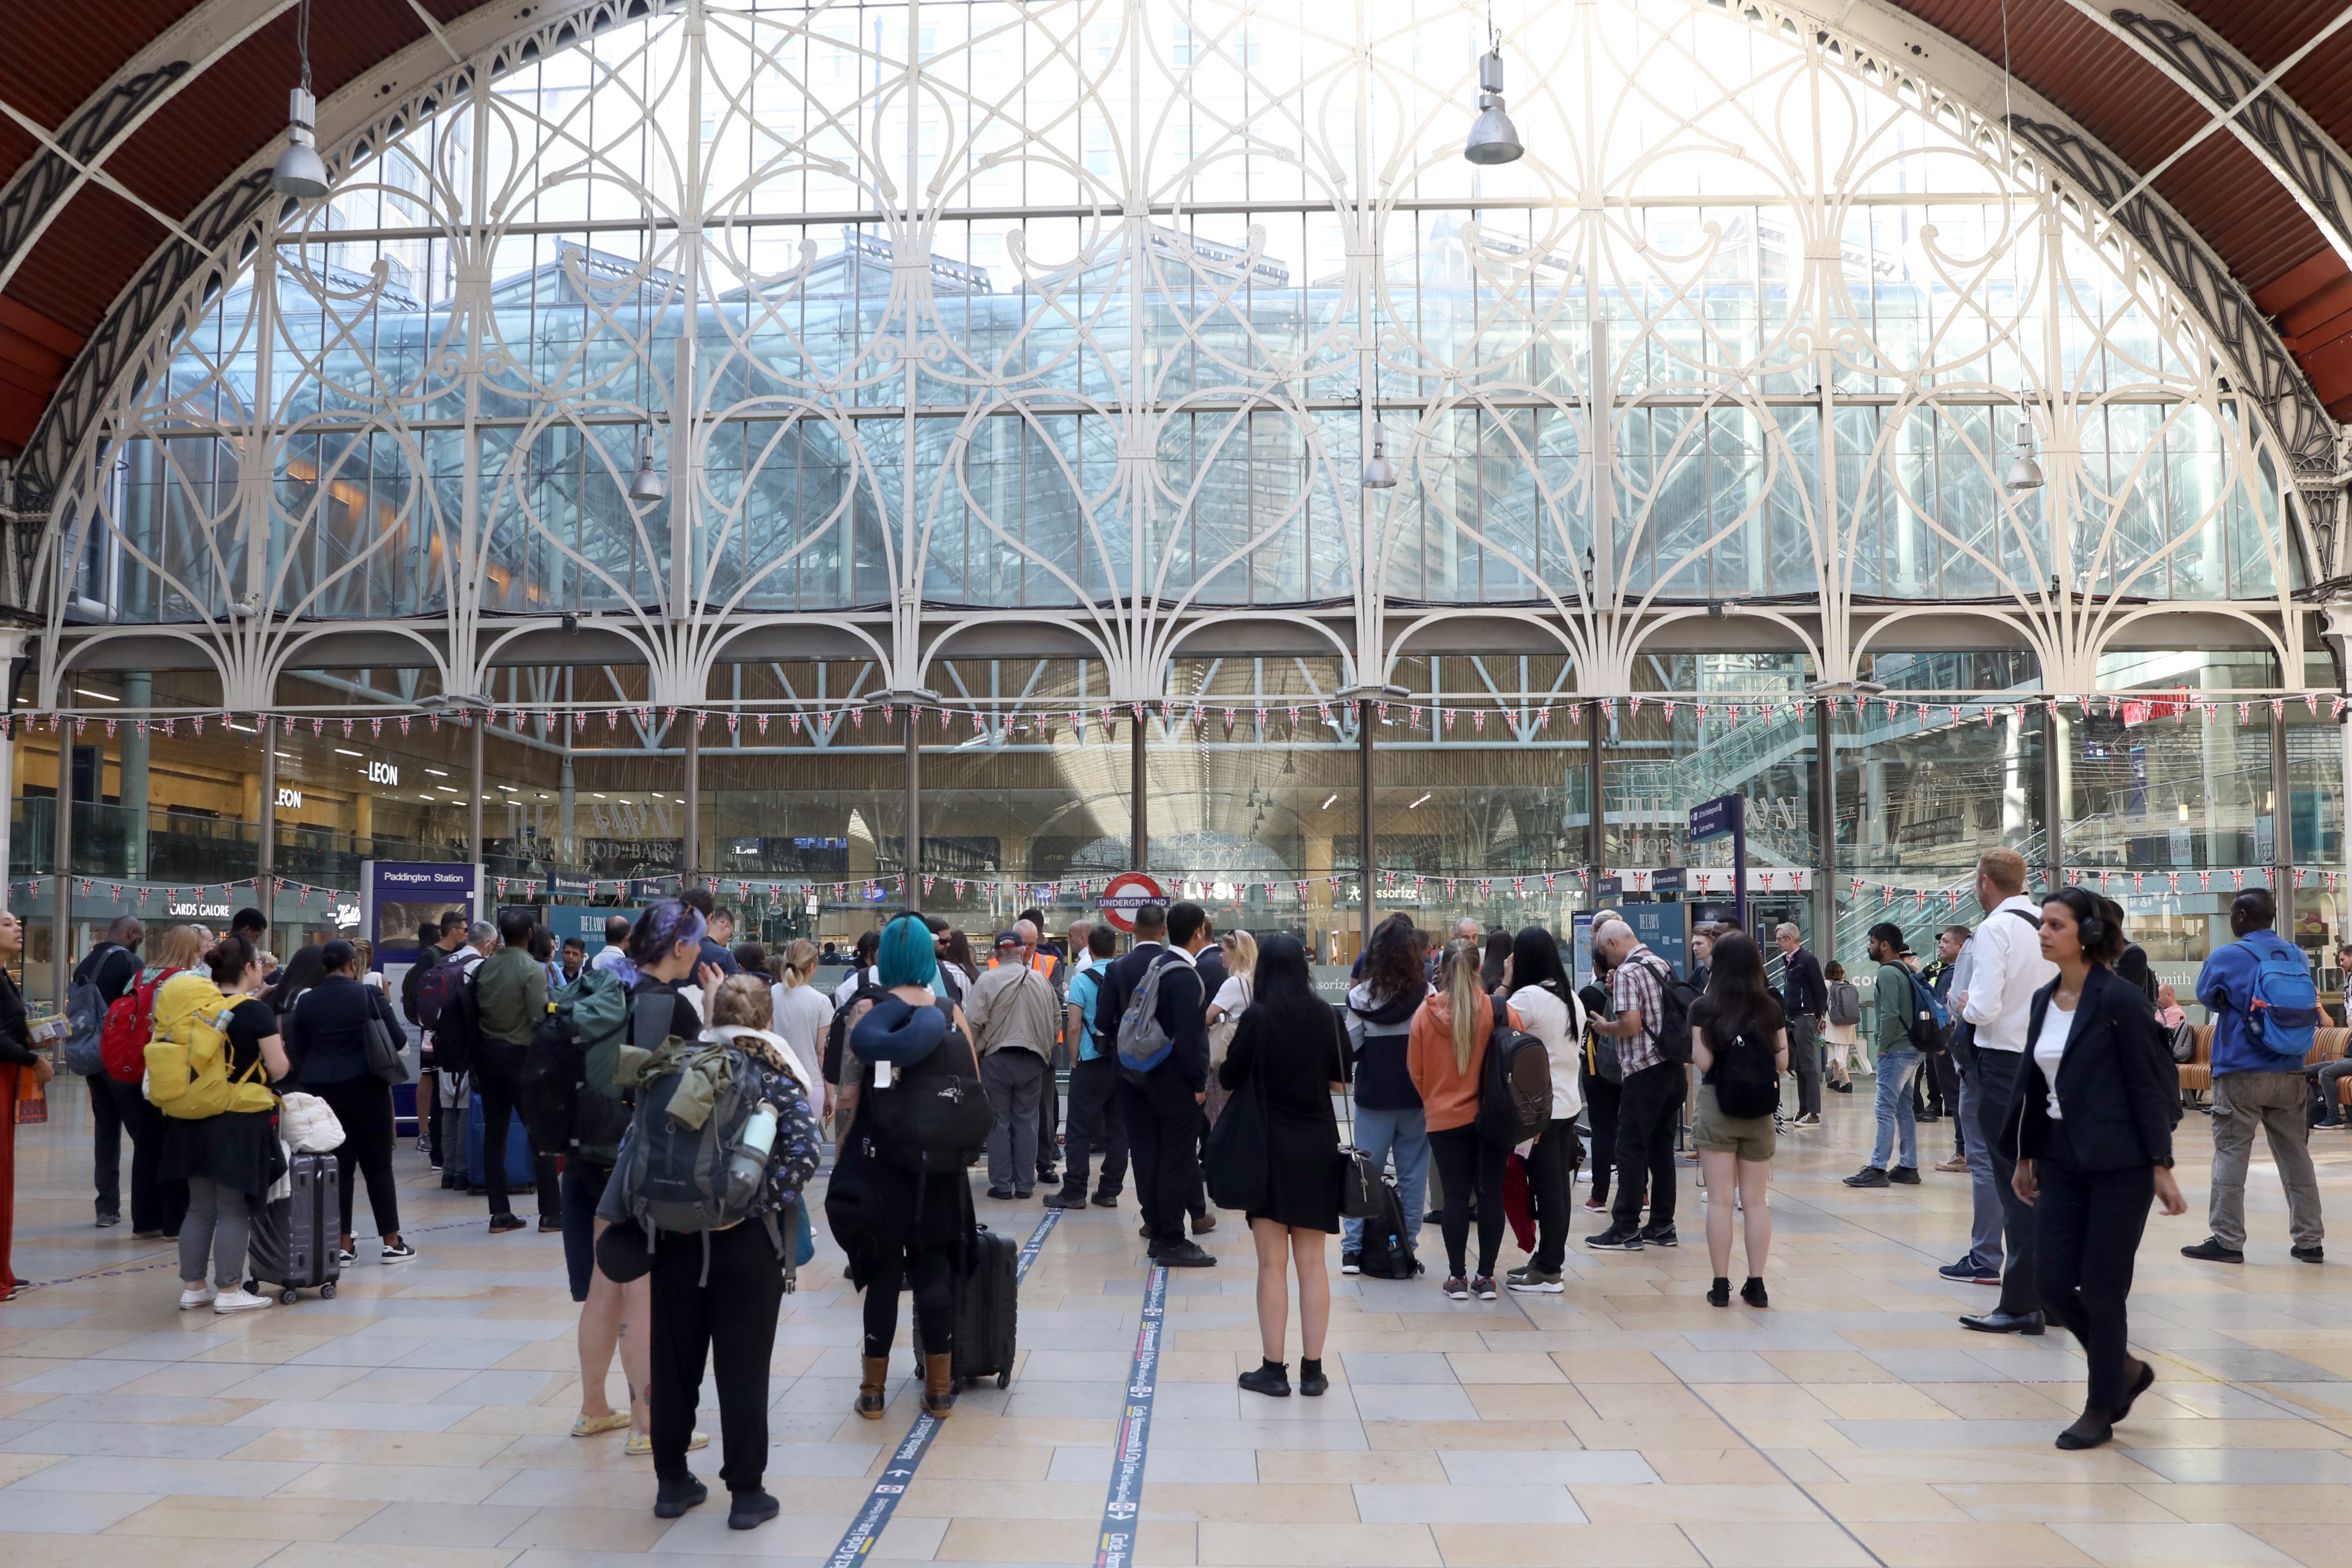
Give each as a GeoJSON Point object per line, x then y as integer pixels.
{"type": "Point", "coordinates": [1445, 1056]}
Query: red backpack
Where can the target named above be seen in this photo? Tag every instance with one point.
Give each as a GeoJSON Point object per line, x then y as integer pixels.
{"type": "Point", "coordinates": [130, 1024]}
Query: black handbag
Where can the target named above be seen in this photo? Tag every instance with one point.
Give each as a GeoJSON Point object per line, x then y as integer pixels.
{"type": "Point", "coordinates": [1360, 1187]}
{"type": "Point", "coordinates": [1233, 1163]}
{"type": "Point", "coordinates": [383, 1051]}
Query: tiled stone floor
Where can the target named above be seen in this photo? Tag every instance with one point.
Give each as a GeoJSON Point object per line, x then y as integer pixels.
{"type": "Point", "coordinates": [421, 1417]}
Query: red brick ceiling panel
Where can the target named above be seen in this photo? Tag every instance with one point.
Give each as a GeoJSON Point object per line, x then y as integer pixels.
{"type": "Point", "coordinates": [57, 54]}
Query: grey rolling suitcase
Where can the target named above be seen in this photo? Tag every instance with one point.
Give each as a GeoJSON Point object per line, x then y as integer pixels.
{"type": "Point", "coordinates": [294, 1237]}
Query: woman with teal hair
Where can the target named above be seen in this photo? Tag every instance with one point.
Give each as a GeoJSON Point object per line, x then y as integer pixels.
{"type": "Point", "coordinates": [909, 957]}
{"type": "Point", "coordinates": [903, 1229]}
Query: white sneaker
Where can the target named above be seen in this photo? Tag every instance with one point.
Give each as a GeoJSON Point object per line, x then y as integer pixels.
{"type": "Point", "coordinates": [229, 1301]}
{"type": "Point", "coordinates": [192, 1300]}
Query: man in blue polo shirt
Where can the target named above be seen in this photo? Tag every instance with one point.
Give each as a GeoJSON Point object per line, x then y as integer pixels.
{"type": "Point", "coordinates": [2257, 1081]}
{"type": "Point", "coordinates": [1095, 1120]}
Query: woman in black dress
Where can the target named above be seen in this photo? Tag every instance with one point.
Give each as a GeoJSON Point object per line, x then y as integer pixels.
{"type": "Point", "coordinates": [1289, 1044]}
{"type": "Point", "coordinates": [229, 1160]}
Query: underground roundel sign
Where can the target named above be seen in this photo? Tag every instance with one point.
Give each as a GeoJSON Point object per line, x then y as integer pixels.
{"type": "Point", "coordinates": [1126, 893]}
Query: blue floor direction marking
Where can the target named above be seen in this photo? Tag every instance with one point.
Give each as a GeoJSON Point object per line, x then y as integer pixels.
{"type": "Point", "coordinates": [858, 1540]}
{"type": "Point", "coordinates": [1121, 1508]}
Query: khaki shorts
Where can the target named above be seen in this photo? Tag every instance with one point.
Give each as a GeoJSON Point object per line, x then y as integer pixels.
{"type": "Point", "coordinates": [1749, 1137]}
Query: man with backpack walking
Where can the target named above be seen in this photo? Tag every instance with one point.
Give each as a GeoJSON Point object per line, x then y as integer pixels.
{"type": "Point", "coordinates": [1652, 1028]}
{"type": "Point", "coordinates": [103, 975]}
{"type": "Point", "coordinates": [2264, 1008]}
{"type": "Point", "coordinates": [1152, 1002]}
{"type": "Point", "coordinates": [1894, 1010]}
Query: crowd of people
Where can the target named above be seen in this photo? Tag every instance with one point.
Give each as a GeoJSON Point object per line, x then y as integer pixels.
{"type": "Point", "coordinates": [2037, 1033]}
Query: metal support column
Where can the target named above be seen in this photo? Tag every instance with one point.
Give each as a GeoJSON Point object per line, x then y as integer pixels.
{"type": "Point", "coordinates": [265, 855]}
{"type": "Point", "coordinates": [1825, 818]}
{"type": "Point", "coordinates": [1139, 788]}
{"type": "Point", "coordinates": [689, 854]}
{"type": "Point", "coordinates": [61, 894]}
{"type": "Point", "coordinates": [2053, 796]}
{"type": "Point", "coordinates": [1364, 843]}
{"type": "Point", "coordinates": [2281, 827]}
{"type": "Point", "coordinates": [1596, 826]}
{"type": "Point", "coordinates": [477, 726]}
{"type": "Point", "coordinates": [914, 811]}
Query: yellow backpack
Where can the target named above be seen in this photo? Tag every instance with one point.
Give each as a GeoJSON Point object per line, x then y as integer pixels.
{"type": "Point", "coordinates": [187, 1061]}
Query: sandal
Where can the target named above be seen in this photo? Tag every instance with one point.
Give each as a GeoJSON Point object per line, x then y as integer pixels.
{"type": "Point", "coordinates": [592, 1425]}
{"type": "Point", "coordinates": [641, 1443]}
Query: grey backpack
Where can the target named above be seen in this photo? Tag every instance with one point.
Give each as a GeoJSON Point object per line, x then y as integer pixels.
{"type": "Point", "coordinates": [695, 1170]}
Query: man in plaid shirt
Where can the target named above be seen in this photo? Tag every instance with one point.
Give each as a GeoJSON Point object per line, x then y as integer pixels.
{"type": "Point", "coordinates": [1649, 1099]}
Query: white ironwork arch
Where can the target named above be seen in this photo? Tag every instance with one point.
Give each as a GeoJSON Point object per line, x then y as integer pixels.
{"type": "Point", "coordinates": [1136, 377]}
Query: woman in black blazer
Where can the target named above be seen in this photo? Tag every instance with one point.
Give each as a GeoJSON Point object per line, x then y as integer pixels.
{"type": "Point", "coordinates": [326, 1039]}
{"type": "Point", "coordinates": [2093, 1124]}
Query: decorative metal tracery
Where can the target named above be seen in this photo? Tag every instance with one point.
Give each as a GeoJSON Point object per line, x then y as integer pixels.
{"type": "Point", "coordinates": [946, 320]}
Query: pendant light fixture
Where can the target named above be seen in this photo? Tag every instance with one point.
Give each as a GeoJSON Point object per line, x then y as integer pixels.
{"type": "Point", "coordinates": [1492, 138]}
{"type": "Point", "coordinates": [300, 172]}
{"type": "Point", "coordinates": [2023, 473]}
{"type": "Point", "coordinates": [649, 484]}
{"type": "Point", "coordinates": [1379, 474]}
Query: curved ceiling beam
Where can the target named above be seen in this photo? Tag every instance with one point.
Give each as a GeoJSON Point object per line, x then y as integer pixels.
{"type": "Point", "coordinates": [50, 180]}
{"type": "Point", "coordinates": [2274, 128]}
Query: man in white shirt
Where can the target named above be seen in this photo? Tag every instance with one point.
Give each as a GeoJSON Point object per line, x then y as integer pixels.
{"type": "Point", "coordinates": [615, 950]}
{"type": "Point", "coordinates": [2006, 969]}
{"type": "Point", "coordinates": [1081, 959]}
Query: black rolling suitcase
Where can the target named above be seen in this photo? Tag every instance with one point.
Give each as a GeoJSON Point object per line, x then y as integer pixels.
{"type": "Point", "coordinates": [987, 1310]}
{"type": "Point", "coordinates": [294, 1237]}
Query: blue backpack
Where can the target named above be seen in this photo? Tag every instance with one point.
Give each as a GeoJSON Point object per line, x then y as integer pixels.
{"type": "Point", "coordinates": [2282, 1008]}
{"type": "Point", "coordinates": [1930, 1018]}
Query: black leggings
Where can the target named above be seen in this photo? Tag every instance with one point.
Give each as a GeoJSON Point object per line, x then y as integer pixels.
{"type": "Point", "coordinates": [930, 1275]}
{"type": "Point", "coordinates": [363, 1105]}
{"type": "Point", "coordinates": [719, 1305]}
{"type": "Point", "coordinates": [1464, 1158]}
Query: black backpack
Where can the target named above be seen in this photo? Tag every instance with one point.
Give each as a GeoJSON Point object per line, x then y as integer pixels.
{"type": "Point", "coordinates": [570, 1101]}
{"type": "Point", "coordinates": [845, 1018]}
{"type": "Point", "coordinates": [458, 1029]}
{"type": "Point", "coordinates": [1675, 996]}
{"type": "Point", "coordinates": [1514, 1088]}
{"type": "Point", "coordinates": [1387, 1251]}
{"type": "Point", "coordinates": [1745, 1078]}
{"type": "Point", "coordinates": [934, 1118]}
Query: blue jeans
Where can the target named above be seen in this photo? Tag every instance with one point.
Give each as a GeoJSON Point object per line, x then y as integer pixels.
{"type": "Point", "coordinates": [1985, 1222]}
{"type": "Point", "coordinates": [1896, 1068]}
{"type": "Point", "coordinates": [1402, 1136]}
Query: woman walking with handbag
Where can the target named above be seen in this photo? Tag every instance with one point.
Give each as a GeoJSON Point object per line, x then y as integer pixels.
{"type": "Point", "coordinates": [1287, 1053]}
{"type": "Point", "coordinates": [327, 1032]}
{"type": "Point", "coordinates": [2093, 1121]}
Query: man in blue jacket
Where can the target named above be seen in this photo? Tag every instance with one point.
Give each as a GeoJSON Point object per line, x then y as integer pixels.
{"type": "Point", "coordinates": [1163, 1110]}
{"type": "Point", "coordinates": [2254, 1085]}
